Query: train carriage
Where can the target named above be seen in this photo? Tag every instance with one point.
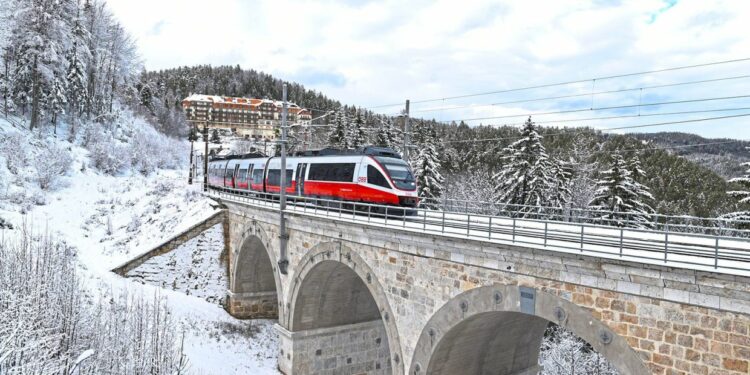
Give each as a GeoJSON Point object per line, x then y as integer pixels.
{"type": "Point", "coordinates": [370, 175]}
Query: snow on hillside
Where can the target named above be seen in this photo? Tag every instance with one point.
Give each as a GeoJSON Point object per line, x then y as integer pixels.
{"type": "Point", "coordinates": [111, 217]}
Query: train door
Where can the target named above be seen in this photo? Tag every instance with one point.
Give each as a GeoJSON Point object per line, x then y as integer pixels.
{"type": "Point", "coordinates": [301, 171]}
{"type": "Point", "coordinates": [235, 176]}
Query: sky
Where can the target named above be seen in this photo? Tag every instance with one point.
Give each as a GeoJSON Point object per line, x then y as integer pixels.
{"type": "Point", "coordinates": [373, 53]}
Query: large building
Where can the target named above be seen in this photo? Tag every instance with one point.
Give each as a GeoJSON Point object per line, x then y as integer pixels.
{"type": "Point", "coordinates": [252, 118]}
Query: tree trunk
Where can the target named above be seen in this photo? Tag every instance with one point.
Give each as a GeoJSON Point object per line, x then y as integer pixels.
{"type": "Point", "coordinates": [35, 97]}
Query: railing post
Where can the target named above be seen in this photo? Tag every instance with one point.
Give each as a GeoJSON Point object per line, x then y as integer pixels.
{"type": "Point", "coordinates": [582, 228]}
{"type": "Point", "coordinates": [424, 220]}
{"type": "Point", "coordinates": [442, 227]}
{"type": "Point", "coordinates": [716, 254]}
{"type": "Point", "coordinates": [513, 237]}
{"type": "Point", "coordinates": [489, 229]}
{"type": "Point", "coordinates": [545, 234]}
{"type": "Point", "coordinates": [621, 235]}
{"type": "Point", "coordinates": [386, 216]}
{"type": "Point", "coordinates": [369, 212]}
{"type": "Point", "coordinates": [666, 243]}
{"type": "Point", "coordinates": [468, 225]}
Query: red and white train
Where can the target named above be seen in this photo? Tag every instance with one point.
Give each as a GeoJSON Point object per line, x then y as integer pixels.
{"type": "Point", "coordinates": [371, 175]}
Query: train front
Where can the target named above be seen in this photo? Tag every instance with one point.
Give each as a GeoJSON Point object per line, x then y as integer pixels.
{"type": "Point", "coordinates": [402, 178]}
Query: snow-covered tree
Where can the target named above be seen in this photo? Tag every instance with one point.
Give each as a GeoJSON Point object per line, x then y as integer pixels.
{"type": "Point", "coordinates": [356, 132]}
{"type": "Point", "coordinates": [337, 138]}
{"type": "Point", "coordinates": [619, 196]}
{"type": "Point", "coordinates": [426, 165]}
{"type": "Point", "coordinates": [527, 174]}
{"type": "Point", "coordinates": [386, 133]}
{"type": "Point", "coordinates": [559, 194]}
{"type": "Point", "coordinates": [215, 138]}
{"type": "Point", "coordinates": [643, 193]}
{"type": "Point", "coordinates": [564, 353]}
{"type": "Point", "coordinates": [40, 39]}
{"type": "Point", "coordinates": [742, 195]}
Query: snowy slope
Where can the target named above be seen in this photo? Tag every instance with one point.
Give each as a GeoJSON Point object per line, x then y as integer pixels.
{"type": "Point", "coordinates": [110, 219]}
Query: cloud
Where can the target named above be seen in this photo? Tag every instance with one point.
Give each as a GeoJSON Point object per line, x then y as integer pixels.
{"type": "Point", "coordinates": [375, 52]}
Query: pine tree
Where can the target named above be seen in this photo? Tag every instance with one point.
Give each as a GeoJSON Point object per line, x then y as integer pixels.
{"type": "Point", "coordinates": [526, 176]}
{"type": "Point", "coordinates": [337, 136]}
{"type": "Point", "coordinates": [640, 203]}
{"type": "Point", "coordinates": [76, 77]}
{"type": "Point", "coordinates": [743, 196]}
{"type": "Point", "coordinates": [559, 195]}
{"type": "Point", "coordinates": [618, 196]}
{"type": "Point", "coordinates": [39, 36]}
{"type": "Point", "coordinates": [215, 136]}
{"type": "Point", "coordinates": [356, 133]}
{"type": "Point", "coordinates": [385, 135]}
{"type": "Point", "coordinates": [427, 169]}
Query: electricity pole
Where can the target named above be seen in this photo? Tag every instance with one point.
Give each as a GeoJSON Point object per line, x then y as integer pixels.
{"type": "Point", "coordinates": [407, 132]}
{"type": "Point", "coordinates": [283, 236]}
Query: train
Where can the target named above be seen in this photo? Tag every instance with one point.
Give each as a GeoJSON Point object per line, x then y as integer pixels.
{"type": "Point", "coordinates": [374, 175]}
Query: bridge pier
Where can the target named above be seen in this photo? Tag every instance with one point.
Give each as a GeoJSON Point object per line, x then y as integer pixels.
{"type": "Point", "coordinates": [253, 305]}
{"type": "Point", "coordinates": [359, 348]}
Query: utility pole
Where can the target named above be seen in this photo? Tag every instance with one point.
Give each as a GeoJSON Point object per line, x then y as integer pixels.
{"type": "Point", "coordinates": [193, 136]}
{"type": "Point", "coordinates": [205, 156]}
{"type": "Point", "coordinates": [407, 132]}
{"type": "Point", "coordinates": [283, 236]}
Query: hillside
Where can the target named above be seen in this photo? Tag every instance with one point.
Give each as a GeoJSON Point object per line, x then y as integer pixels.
{"type": "Point", "coordinates": [94, 212]}
{"type": "Point", "coordinates": [720, 155]}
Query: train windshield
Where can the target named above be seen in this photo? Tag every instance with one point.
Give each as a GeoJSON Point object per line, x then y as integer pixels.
{"type": "Point", "coordinates": [399, 172]}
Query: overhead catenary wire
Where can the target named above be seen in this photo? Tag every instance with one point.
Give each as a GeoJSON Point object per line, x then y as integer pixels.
{"type": "Point", "coordinates": [450, 108]}
{"type": "Point", "coordinates": [565, 83]}
{"type": "Point", "coordinates": [599, 108]}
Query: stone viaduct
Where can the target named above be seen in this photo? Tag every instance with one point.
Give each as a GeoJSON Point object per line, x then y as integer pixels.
{"type": "Point", "coordinates": [362, 298]}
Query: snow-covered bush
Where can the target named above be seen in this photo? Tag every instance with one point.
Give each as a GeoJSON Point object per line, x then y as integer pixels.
{"type": "Point", "coordinates": [107, 154]}
{"type": "Point", "coordinates": [151, 150]}
{"type": "Point", "coordinates": [52, 162]}
{"type": "Point", "coordinates": [48, 320]}
{"type": "Point", "coordinates": [14, 147]}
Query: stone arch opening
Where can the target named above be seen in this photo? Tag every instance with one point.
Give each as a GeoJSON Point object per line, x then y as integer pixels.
{"type": "Point", "coordinates": [339, 319]}
{"type": "Point", "coordinates": [333, 295]}
{"type": "Point", "coordinates": [253, 289]}
{"type": "Point", "coordinates": [499, 330]}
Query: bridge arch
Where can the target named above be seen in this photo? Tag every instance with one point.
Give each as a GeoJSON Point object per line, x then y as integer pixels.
{"type": "Point", "coordinates": [498, 329]}
{"type": "Point", "coordinates": [255, 285]}
{"type": "Point", "coordinates": [336, 292]}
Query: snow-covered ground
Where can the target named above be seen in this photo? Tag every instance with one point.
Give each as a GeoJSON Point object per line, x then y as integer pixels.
{"type": "Point", "coordinates": [110, 219]}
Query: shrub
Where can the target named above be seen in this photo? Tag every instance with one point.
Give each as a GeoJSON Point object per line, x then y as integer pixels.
{"type": "Point", "coordinates": [53, 162]}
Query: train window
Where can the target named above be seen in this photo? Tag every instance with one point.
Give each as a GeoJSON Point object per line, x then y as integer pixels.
{"type": "Point", "coordinates": [343, 172]}
{"type": "Point", "coordinates": [242, 175]}
{"type": "Point", "coordinates": [376, 178]}
{"type": "Point", "coordinates": [258, 176]}
{"type": "Point", "coordinates": [228, 173]}
{"type": "Point", "coordinates": [274, 177]}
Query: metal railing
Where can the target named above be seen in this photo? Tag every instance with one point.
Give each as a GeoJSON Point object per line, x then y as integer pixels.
{"type": "Point", "coordinates": [711, 252]}
{"type": "Point", "coordinates": [672, 223]}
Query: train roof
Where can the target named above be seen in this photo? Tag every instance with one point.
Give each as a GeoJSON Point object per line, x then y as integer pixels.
{"type": "Point", "coordinates": [368, 150]}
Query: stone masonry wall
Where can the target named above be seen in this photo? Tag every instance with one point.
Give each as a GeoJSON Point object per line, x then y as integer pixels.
{"type": "Point", "coordinates": [263, 305]}
{"type": "Point", "coordinates": [359, 348]}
